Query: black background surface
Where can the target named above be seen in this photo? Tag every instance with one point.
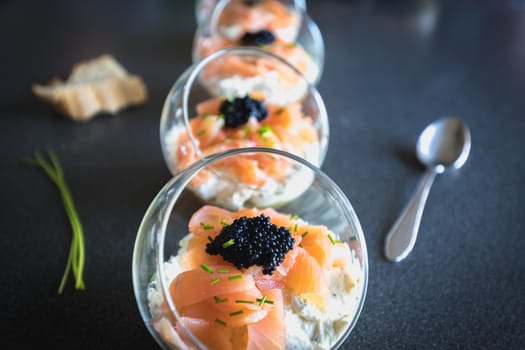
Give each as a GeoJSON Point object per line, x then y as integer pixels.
{"type": "Point", "coordinates": [391, 68]}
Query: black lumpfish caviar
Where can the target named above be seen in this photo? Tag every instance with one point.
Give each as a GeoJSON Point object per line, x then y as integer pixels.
{"type": "Point", "coordinates": [237, 111]}
{"type": "Point", "coordinates": [252, 241]}
{"type": "Point", "coordinates": [263, 37]}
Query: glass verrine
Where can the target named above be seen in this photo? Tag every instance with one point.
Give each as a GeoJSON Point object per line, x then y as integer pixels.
{"type": "Point", "coordinates": [212, 109]}
{"type": "Point", "coordinates": [327, 237]}
{"type": "Point", "coordinates": [280, 27]}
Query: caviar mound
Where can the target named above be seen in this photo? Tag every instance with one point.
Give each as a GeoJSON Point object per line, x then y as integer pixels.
{"type": "Point", "coordinates": [260, 38]}
{"type": "Point", "coordinates": [252, 241]}
{"type": "Point", "coordinates": [238, 110]}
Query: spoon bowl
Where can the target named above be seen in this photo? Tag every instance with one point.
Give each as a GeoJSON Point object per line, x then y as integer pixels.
{"type": "Point", "coordinates": [444, 144]}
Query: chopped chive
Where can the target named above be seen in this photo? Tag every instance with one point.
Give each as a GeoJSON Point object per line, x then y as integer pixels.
{"type": "Point", "coordinates": [206, 226]}
{"type": "Point", "coordinates": [234, 277]}
{"type": "Point", "coordinates": [294, 217]}
{"type": "Point", "coordinates": [262, 301]}
{"type": "Point", "coordinates": [264, 130]}
{"type": "Point", "coordinates": [333, 240]}
{"type": "Point", "coordinates": [223, 270]}
{"type": "Point", "coordinates": [224, 222]}
{"type": "Point", "coordinates": [244, 301]}
{"type": "Point", "coordinates": [153, 277]}
{"type": "Point", "coordinates": [220, 116]}
{"type": "Point", "coordinates": [215, 280]}
{"type": "Point", "coordinates": [210, 239]}
{"type": "Point", "coordinates": [201, 132]}
{"type": "Point", "coordinates": [295, 228]}
{"type": "Point", "coordinates": [228, 243]}
{"type": "Point", "coordinates": [221, 322]}
{"type": "Point", "coordinates": [236, 313]}
{"type": "Point", "coordinates": [206, 268]}
{"type": "Point", "coordinates": [304, 233]}
{"type": "Point", "coordinates": [219, 300]}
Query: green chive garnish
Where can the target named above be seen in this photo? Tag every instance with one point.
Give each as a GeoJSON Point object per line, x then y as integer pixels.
{"type": "Point", "coordinates": [236, 312]}
{"type": "Point", "coordinates": [201, 132]}
{"type": "Point", "coordinates": [264, 300]}
{"type": "Point", "coordinates": [153, 277]}
{"type": "Point", "coordinates": [221, 322]}
{"type": "Point", "coordinates": [264, 130]}
{"type": "Point", "coordinates": [224, 222]}
{"type": "Point", "coordinates": [244, 302]}
{"type": "Point", "coordinates": [228, 243]}
{"type": "Point", "coordinates": [333, 240]}
{"type": "Point", "coordinates": [206, 268]}
{"type": "Point", "coordinates": [295, 228]}
{"type": "Point", "coordinates": [223, 270]}
{"type": "Point", "coordinates": [215, 280]}
{"type": "Point", "coordinates": [304, 233]}
{"type": "Point", "coordinates": [294, 217]}
{"type": "Point", "coordinates": [219, 300]}
{"type": "Point", "coordinates": [206, 226]}
{"type": "Point", "coordinates": [234, 277]}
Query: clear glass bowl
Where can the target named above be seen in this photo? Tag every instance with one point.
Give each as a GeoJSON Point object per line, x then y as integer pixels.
{"type": "Point", "coordinates": [204, 8]}
{"type": "Point", "coordinates": [165, 224]}
{"type": "Point", "coordinates": [297, 37]}
{"type": "Point", "coordinates": [297, 121]}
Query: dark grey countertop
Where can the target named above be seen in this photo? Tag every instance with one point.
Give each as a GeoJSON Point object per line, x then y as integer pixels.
{"type": "Point", "coordinates": [391, 68]}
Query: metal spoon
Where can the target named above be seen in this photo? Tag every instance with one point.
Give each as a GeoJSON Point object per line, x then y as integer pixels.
{"type": "Point", "coordinates": [442, 145]}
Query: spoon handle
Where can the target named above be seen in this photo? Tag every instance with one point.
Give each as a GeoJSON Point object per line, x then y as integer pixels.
{"type": "Point", "coordinates": [402, 236]}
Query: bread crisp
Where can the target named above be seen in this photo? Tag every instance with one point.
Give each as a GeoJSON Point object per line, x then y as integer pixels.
{"type": "Point", "coordinates": [94, 86]}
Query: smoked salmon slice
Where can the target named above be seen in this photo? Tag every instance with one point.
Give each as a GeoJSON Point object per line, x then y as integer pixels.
{"type": "Point", "coordinates": [270, 332]}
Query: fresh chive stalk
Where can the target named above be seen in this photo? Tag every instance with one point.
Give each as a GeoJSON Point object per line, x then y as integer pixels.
{"type": "Point", "coordinates": [76, 258]}
{"type": "Point", "coordinates": [234, 277]}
